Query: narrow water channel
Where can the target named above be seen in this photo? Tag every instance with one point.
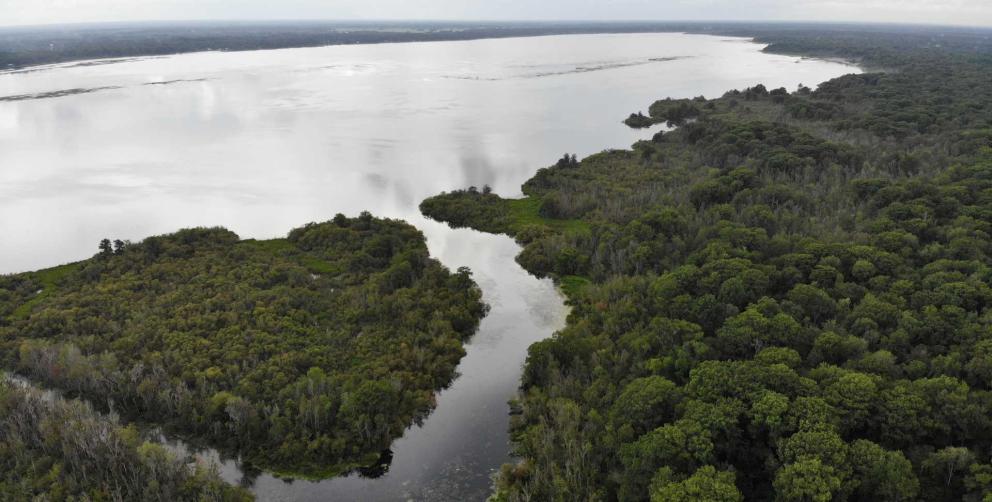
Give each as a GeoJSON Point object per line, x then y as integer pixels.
{"type": "Point", "coordinates": [453, 454]}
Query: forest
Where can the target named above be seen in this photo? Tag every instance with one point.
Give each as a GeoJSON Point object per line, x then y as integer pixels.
{"type": "Point", "coordinates": [57, 449]}
{"type": "Point", "coordinates": [306, 355]}
{"type": "Point", "coordinates": [785, 297]}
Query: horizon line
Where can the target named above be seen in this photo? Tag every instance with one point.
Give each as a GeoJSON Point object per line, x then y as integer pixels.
{"type": "Point", "coordinates": [918, 24]}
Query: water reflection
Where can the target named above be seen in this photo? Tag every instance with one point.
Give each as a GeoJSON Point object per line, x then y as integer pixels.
{"type": "Point", "coordinates": [265, 141]}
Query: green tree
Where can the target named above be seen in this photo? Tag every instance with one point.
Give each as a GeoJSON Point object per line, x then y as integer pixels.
{"type": "Point", "coordinates": [106, 249]}
{"type": "Point", "coordinates": [853, 395]}
{"type": "Point", "coordinates": [946, 470]}
{"type": "Point", "coordinates": [815, 303]}
{"type": "Point", "coordinates": [705, 485]}
{"type": "Point", "coordinates": [646, 403]}
{"type": "Point", "coordinates": [807, 480]}
{"type": "Point", "coordinates": [760, 326]}
{"type": "Point", "coordinates": [683, 446]}
{"type": "Point", "coordinates": [882, 474]}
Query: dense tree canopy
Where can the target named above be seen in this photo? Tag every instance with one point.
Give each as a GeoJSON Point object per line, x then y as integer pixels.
{"type": "Point", "coordinates": [308, 354]}
{"type": "Point", "coordinates": [55, 449]}
{"type": "Point", "coordinates": [785, 298]}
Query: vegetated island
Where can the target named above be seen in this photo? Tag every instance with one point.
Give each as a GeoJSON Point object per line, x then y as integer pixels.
{"type": "Point", "coordinates": [57, 449]}
{"type": "Point", "coordinates": [785, 298]}
{"type": "Point", "coordinates": [306, 355]}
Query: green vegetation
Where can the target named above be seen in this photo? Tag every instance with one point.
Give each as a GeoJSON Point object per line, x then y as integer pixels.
{"type": "Point", "coordinates": [528, 212]}
{"type": "Point", "coordinates": [306, 355]}
{"type": "Point", "coordinates": [46, 280]}
{"type": "Point", "coordinates": [639, 121]}
{"type": "Point", "coordinates": [55, 449]}
{"type": "Point", "coordinates": [484, 210]}
{"type": "Point", "coordinates": [790, 293]}
{"type": "Point", "coordinates": [573, 285]}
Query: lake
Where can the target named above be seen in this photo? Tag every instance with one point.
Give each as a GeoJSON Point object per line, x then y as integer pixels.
{"type": "Point", "coordinates": [262, 142]}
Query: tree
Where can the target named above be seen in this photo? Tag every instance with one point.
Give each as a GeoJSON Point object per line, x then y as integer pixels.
{"type": "Point", "coordinates": [106, 249]}
{"type": "Point", "coordinates": [811, 413]}
{"type": "Point", "coordinates": [683, 446]}
{"type": "Point", "coordinates": [834, 348]}
{"type": "Point", "coordinates": [882, 474]}
{"type": "Point", "coordinates": [901, 414]}
{"type": "Point", "coordinates": [779, 355]}
{"type": "Point", "coordinates": [853, 395]}
{"type": "Point", "coordinates": [646, 403]}
{"type": "Point", "coordinates": [979, 483]}
{"type": "Point", "coordinates": [946, 468]}
{"type": "Point", "coordinates": [768, 412]}
{"type": "Point", "coordinates": [807, 480]}
{"type": "Point", "coordinates": [815, 303]}
{"type": "Point", "coordinates": [822, 443]}
{"type": "Point", "coordinates": [705, 485]}
{"type": "Point", "coordinates": [760, 326]}
{"type": "Point", "coordinates": [979, 368]}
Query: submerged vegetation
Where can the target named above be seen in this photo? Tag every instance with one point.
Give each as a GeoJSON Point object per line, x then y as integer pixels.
{"type": "Point", "coordinates": [785, 298]}
{"type": "Point", "coordinates": [306, 355]}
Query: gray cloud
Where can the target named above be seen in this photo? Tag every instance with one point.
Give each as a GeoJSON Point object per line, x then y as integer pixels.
{"type": "Point", "coordinates": [966, 12]}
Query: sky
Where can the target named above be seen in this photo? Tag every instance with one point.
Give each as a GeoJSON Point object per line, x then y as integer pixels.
{"type": "Point", "coordinates": [957, 12]}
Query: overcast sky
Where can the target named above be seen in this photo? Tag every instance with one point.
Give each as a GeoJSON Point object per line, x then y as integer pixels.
{"type": "Point", "coordinates": [963, 12]}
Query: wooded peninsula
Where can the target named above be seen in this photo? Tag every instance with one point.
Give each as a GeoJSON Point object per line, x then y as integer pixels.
{"type": "Point", "coordinates": [785, 297]}
{"type": "Point", "coordinates": [306, 355]}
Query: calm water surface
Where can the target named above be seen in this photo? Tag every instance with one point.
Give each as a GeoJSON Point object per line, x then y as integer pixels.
{"type": "Point", "coordinates": [261, 142]}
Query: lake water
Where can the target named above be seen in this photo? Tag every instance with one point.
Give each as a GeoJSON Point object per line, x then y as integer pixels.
{"type": "Point", "coordinates": [261, 142]}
